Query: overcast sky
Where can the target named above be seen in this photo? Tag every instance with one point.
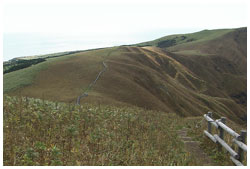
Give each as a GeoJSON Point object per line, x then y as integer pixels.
{"type": "Point", "coordinates": [121, 17]}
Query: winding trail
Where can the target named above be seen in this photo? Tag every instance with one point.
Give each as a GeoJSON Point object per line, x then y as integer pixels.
{"type": "Point", "coordinates": [85, 93]}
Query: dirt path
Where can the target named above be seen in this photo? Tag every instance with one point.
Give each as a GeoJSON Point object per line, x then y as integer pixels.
{"type": "Point", "coordinates": [193, 147]}
{"type": "Point", "coordinates": [85, 93]}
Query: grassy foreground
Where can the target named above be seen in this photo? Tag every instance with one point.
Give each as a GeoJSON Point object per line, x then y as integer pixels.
{"type": "Point", "coordinates": [38, 132]}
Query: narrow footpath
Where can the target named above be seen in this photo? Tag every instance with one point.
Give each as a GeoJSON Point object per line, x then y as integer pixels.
{"type": "Point", "coordinates": [193, 147]}
{"type": "Point", "coordinates": [85, 93]}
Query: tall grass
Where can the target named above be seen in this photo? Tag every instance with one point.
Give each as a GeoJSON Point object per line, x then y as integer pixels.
{"type": "Point", "coordinates": [38, 132]}
{"type": "Point", "coordinates": [196, 127]}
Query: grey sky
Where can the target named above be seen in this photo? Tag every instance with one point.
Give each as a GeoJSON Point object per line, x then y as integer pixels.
{"type": "Point", "coordinates": [107, 17]}
{"type": "Point", "coordinates": [33, 27]}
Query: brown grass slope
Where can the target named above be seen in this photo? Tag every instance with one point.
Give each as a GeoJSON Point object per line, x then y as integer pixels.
{"type": "Point", "coordinates": [223, 64]}
{"type": "Point", "coordinates": [153, 78]}
{"type": "Point", "coordinates": [217, 57]}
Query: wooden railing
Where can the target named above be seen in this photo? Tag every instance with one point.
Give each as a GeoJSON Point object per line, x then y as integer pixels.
{"type": "Point", "coordinates": [239, 139]}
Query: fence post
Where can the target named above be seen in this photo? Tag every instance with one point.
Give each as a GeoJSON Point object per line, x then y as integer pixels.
{"type": "Point", "coordinates": [221, 132]}
{"type": "Point", "coordinates": [209, 123]}
{"type": "Point", "coordinates": [243, 134]}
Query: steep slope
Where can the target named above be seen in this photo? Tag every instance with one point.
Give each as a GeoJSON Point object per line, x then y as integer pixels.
{"type": "Point", "coordinates": [222, 63]}
{"type": "Point", "coordinates": [166, 79]}
{"type": "Point", "coordinates": [219, 57]}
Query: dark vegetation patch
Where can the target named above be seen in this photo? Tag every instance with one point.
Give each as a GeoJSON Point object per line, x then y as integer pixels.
{"type": "Point", "coordinates": [17, 64]}
{"type": "Point", "coordinates": [183, 37]}
{"type": "Point", "coordinates": [174, 41]}
{"type": "Point", "coordinates": [166, 43]}
{"type": "Point", "coordinates": [240, 98]}
{"type": "Point", "coordinates": [190, 40]}
{"type": "Point", "coordinates": [20, 64]}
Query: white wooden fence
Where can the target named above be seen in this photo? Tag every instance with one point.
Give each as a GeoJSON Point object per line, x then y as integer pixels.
{"type": "Point", "coordinates": [239, 139]}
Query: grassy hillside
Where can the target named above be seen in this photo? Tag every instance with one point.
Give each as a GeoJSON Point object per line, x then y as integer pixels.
{"type": "Point", "coordinates": [218, 57]}
{"type": "Point", "coordinates": [38, 132]}
{"type": "Point", "coordinates": [26, 76]}
{"type": "Point", "coordinates": [188, 78]}
{"type": "Point", "coordinates": [41, 132]}
{"type": "Point", "coordinates": [222, 62]}
{"type": "Point", "coordinates": [186, 39]}
{"type": "Point", "coordinates": [133, 112]}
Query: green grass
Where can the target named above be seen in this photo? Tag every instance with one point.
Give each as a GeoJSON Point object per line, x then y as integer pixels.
{"type": "Point", "coordinates": [192, 38]}
{"type": "Point", "coordinates": [47, 55]}
{"type": "Point", "coordinates": [39, 132]}
{"type": "Point", "coordinates": [24, 77]}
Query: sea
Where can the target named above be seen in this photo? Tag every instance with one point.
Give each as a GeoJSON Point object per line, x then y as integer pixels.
{"type": "Point", "coordinates": [30, 44]}
{"type": "Point", "coordinates": [33, 43]}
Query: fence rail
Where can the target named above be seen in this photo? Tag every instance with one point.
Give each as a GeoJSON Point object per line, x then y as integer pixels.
{"type": "Point", "coordinates": [239, 139]}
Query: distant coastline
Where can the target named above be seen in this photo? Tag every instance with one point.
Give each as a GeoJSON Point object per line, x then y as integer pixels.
{"type": "Point", "coordinates": [17, 45]}
{"type": "Point", "coordinates": [25, 44]}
